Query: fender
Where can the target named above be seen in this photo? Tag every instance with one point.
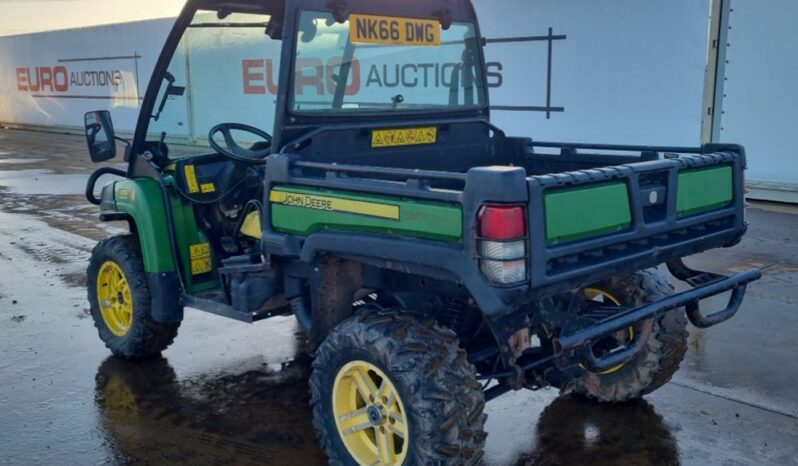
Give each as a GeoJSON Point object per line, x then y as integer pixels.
{"type": "Point", "coordinates": [141, 202]}
{"type": "Point", "coordinates": [432, 259]}
{"type": "Point", "coordinates": [423, 257]}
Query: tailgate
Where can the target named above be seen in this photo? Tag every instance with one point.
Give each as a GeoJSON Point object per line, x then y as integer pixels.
{"type": "Point", "coordinates": [591, 224]}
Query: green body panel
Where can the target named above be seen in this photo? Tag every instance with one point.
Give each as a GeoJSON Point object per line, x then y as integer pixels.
{"type": "Point", "coordinates": [141, 198]}
{"type": "Point", "coordinates": [581, 212]}
{"type": "Point", "coordinates": [704, 189]}
{"type": "Point", "coordinates": [188, 234]}
{"type": "Point", "coordinates": [418, 219]}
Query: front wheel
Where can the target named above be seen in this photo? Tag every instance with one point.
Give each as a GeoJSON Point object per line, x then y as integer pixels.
{"type": "Point", "coordinates": [388, 388]}
{"type": "Point", "coordinates": [120, 301]}
{"type": "Point", "coordinates": [659, 359]}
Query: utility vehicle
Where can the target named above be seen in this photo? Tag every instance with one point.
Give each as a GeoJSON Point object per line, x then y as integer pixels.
{"type": "Point", "coordinates": [434, 262]}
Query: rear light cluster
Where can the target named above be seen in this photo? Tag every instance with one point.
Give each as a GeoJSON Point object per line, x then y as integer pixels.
{"type": "Point", "coordinates": [502, 243]}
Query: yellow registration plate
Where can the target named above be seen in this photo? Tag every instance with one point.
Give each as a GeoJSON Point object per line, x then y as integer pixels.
{"type": "Point", "coordinates": [404, 137]}
{"type": "Point", "coordinates": [389, 30]}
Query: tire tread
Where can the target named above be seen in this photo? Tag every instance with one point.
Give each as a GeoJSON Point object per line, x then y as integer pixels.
{"type": "Point", "coordinates": [427, 360]}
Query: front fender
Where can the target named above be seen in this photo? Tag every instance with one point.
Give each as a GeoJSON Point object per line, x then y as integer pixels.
{"type": "Point", "coordinates": [142, 200]}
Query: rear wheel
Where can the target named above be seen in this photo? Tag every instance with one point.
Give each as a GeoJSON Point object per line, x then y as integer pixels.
{"type": "Point", "coordinates": [390, 389]}
{"type": "Point", "coordinates": [665, 348]}
{"type": "Point", "coordinates": [120, 301]}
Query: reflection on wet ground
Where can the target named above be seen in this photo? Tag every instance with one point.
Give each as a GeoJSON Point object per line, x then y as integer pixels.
{"type": "Point", "coordinates": [572, 429]}
{"type": "Point", "coordinates": [149, 415]}
{"type": "Point", "coordinates": [227, 393]}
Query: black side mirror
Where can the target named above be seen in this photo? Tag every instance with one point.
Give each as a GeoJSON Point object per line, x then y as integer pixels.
{"type": "Point", "coordinates": [100, 136]}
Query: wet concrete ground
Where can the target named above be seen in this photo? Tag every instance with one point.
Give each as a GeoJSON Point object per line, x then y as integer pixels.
{"type": "Point", "coordinates": [227, 392]}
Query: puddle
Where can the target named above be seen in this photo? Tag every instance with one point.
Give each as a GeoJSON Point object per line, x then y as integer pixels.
{"type": "Point", "coordinates": [18, 161]}
{"type": "Point", "coordinates": [42, 182]}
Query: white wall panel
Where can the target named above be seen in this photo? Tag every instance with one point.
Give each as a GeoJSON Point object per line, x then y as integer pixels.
{"type": "Point", "coordinates": [760, 102]}
{"type": "Point", "coordinates": [629, 71]}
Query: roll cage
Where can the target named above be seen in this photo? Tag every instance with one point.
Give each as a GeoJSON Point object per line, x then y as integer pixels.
{"type": "Point", "coordinates": [283, 26]}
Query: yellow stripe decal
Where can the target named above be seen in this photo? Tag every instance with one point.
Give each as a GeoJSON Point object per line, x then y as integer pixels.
{"type": "Point", "coordinates": [335, 204]}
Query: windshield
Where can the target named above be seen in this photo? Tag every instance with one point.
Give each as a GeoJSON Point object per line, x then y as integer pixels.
{"type": "Point", "coordinates": [335, 73]}
{"type": "Point", "coordinates": [223, 71]}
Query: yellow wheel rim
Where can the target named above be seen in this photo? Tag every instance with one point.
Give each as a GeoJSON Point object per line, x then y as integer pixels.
{"type": "Point", "coordinates": [595, 294]}
{"type": "Point", "coordinates": [115, 298]}
{"type": "Point", "coordinates": [371, 419]}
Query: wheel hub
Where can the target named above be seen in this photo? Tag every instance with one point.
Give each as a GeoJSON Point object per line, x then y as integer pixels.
{"type": "Point", "coordinates": [376, 415]}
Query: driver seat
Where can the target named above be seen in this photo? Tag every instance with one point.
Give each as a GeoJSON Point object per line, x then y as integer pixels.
{"type": "Point", "coordinates": [251, 226]}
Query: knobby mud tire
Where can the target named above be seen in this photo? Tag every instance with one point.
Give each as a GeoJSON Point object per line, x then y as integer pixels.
{"type": "Point", "coordinates": [444, 402]}
{"type": "Point", "coordinates": [664, 351]}
{"type": "Point", "coordinates": [146, 337]}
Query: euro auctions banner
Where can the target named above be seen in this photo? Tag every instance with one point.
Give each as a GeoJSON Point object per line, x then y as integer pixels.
{"type": "Point", "coordinates": [52, 79]}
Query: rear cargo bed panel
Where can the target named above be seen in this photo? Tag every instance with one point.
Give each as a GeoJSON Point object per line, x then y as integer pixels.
{"type": "Point", "coordinates": [589, 236]}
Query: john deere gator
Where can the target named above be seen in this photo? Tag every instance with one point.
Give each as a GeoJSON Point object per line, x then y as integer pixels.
{"type": "Point", "coordinates": [334, 160]}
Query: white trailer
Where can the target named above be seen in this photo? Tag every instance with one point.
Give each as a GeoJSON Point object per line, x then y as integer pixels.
{"type": "Point", "coordinates": [757, 92]}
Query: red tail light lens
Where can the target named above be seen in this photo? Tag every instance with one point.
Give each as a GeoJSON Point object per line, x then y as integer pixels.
{"type": "Point", "coordinates": [502, 243]}
{"type": "Point", "coordinates": [502, 222]}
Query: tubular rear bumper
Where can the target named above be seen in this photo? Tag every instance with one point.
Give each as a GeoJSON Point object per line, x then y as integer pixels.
{"type": "Point", "coordinates": [580, 342]}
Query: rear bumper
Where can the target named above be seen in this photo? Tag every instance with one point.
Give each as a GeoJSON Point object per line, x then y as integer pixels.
{"type": "Point", "coordinates": [580, 342]}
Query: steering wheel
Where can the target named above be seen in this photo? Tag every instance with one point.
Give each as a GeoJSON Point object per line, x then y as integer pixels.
{"type": "Point", "coordinates": [233, 150]}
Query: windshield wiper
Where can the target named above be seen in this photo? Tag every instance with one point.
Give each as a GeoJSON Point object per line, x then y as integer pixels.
{"type": "Point", "coordinates": [343, 76]}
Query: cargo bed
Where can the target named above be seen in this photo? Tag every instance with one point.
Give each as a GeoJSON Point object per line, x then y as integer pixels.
{"type": "Point", "coordinates": [593, 210]}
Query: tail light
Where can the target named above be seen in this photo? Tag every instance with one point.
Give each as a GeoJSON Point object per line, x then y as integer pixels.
{"type": "Point", "coordinates": [502, 243]}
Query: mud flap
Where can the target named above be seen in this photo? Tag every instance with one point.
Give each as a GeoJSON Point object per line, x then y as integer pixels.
{"type": "Point", "coordinates": [165, 292]}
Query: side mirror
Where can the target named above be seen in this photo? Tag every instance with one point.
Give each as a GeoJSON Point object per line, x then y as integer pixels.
{"type": "Point", "coordinates": [100, 136]}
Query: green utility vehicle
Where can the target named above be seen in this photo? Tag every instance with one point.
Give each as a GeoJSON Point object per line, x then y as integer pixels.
{"type": "Point", "coordinates": [434, 262]}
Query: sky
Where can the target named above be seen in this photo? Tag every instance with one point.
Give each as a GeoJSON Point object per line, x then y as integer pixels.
{"type": "Point", "coordinates": [22, 16]}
